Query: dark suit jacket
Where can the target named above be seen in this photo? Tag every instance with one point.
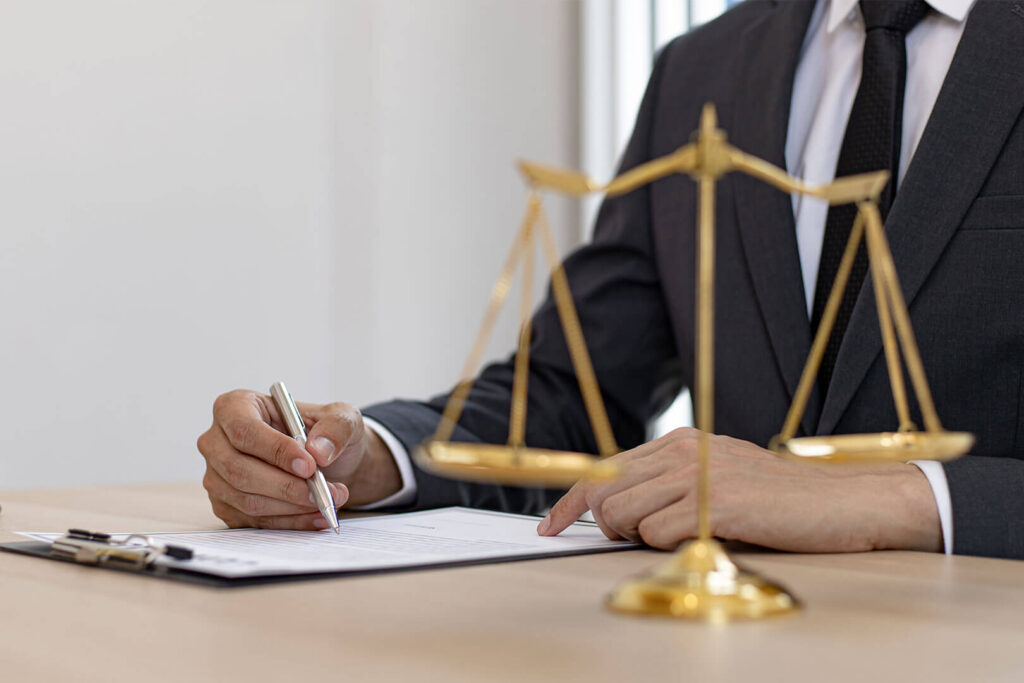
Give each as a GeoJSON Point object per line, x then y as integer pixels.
{"type": "Point", "coordinates": [957, 235]}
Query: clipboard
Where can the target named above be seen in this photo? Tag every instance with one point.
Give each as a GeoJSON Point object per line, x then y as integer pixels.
{"type": "Point", "coordinates": [42, 549]}
{"type": "Point", "coordinates": [180, 572]}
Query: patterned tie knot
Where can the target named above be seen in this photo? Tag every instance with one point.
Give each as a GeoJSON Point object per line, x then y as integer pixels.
{"type": "Point", "coordinates": [894, 15]}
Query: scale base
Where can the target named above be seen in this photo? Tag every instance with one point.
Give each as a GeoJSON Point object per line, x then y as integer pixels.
{"type": "Point", "coordinates": [702, 583]}
{"type": "Point", "coordinates": [503, 464]}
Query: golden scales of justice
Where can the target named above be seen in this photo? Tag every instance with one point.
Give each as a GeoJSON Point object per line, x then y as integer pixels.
{"type": "Point", "coordinates": [700, 581]}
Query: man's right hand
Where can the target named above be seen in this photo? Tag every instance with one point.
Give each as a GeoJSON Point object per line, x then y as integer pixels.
{"type": "Point", "coordinates": [255, 473]}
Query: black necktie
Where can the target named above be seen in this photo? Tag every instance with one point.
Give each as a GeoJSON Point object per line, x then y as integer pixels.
{"type": "Point", "coordinates": [871, 143]}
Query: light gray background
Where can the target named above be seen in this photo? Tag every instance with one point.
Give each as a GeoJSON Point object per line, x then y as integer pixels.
{"type": "Point", "coordinates": [164, 166]}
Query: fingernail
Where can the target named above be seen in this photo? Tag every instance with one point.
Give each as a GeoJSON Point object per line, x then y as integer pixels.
{"type": "Point", "coordinates": [301, 467]}
{"type": "Point", "coordinates": [323, 447]}
{"type": "Point", "coordinates": [340, 492]}
{"type": "Point", "coordinates": [544, 525]}
{"type": "Point", "coordinates": [320, 523]}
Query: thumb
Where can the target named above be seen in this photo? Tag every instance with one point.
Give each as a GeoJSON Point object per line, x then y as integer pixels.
{"type": "Point", "coordinates": [566, 511]}
{"type": "Point", "coordinates": [335, 427]}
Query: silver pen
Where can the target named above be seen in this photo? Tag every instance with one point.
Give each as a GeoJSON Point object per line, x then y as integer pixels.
{"type": "Point", "coordinates": [297, 429]}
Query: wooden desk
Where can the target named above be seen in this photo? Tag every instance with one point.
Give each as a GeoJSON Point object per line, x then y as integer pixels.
{"type": "Point", "coordinates": [873, 616]}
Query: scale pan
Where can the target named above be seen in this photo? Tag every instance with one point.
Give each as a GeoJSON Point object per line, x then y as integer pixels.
{"type": "Point", "coordinates": [881, 447]}
{"type": "Point", "coordinates": [508, 465]}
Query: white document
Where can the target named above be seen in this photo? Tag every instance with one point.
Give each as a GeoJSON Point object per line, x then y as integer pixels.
{"type": "Point", "coordinates": [413, 539]}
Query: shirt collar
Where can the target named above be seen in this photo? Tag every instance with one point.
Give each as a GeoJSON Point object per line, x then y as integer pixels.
{"type": "Point", "coordinates": [840, 10]}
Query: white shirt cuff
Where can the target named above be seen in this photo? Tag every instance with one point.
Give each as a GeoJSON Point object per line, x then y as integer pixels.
{"type": "Point", "coordinates": [407, 494]}
{"type": "Point", "coordinates": [940, 489]}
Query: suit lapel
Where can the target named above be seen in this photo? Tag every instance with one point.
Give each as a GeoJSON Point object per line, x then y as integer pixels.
{"type": "Point", "coordinates": [770, 51]}
{"type": "Point", "coordinates": [976, 109]}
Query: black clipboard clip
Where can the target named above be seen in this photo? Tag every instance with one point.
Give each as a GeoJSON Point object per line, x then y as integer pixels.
{"type": "Point", "coordinates": [135, 552]}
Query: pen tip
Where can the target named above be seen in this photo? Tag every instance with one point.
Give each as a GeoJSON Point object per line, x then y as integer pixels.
{"type": "Point", "coordinates": [337, 530]}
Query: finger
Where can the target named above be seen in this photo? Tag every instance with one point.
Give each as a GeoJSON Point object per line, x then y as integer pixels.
{"type": "Point", "coordinates": [230, 516]}
{"type": "Point", "coordinates": [251, 475]}
{"type": "Point", "coordinates": [308, 522]}
{"type": "Point", "coordinates": [599, 520]}
{"type": "Point", "coordinates": [312, 521]}
{"type": "Point", "coordinates": [632, 474]}
{"type": "Point", "coordinates": [242, 417]}
{"type": "Point", "coordinates": [574, 503]}
{"type": "Point", "coordinates": [624, 510]}
{"type": "Point", "coordinates": [251, 504]}
{"type": "Point", "coordinates": [337, 429]}
{"type": "Point", "coordinates": [671, 525]}
{"type": "Point", "coordinates": [339, 492]}
{"type": "Point", "coordinates": [569, 508]}
{"type": "Point", "coordinates": [566, 511]}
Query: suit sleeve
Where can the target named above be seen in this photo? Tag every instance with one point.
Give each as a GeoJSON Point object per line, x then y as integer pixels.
{"type": "Point", "coordinates": [622, 311]}
{"type": "Point", "coordinates": [987, 493]}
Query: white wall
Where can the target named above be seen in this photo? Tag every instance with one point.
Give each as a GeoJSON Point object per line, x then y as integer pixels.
{"type": "Point", "coordinates": [459, 90]}
{"type": "Point", "coordinates": [162, 162]}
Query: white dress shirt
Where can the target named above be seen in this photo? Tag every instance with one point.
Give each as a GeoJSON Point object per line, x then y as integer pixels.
{"type": "Point", "coordinates": [824, 88]}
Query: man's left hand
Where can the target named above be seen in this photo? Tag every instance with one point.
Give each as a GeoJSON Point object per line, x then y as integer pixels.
{"type": "Point", "coordinates": [756, 497]}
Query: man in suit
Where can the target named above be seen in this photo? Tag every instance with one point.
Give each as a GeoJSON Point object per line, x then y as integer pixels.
{"type": "Point", "coordinates": [934, 91]}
